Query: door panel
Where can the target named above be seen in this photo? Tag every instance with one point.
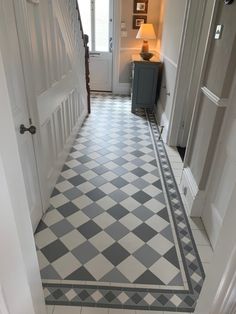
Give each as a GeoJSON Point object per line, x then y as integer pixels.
{"type": "Point", "coordinates": [100, 70]}
{"type": "Point", "coordinates": [16, 85]}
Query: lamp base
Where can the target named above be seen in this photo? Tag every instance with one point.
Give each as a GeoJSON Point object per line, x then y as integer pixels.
{"type": "Point", "coordinates": [146, 55]}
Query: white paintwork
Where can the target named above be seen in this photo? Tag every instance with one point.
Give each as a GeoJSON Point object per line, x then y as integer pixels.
{"type": "Point", "coordinates": [56, 41]}
{"type": "Point", "coordinates": [19, 270]}
{"type": "Point", "coordinates": [220, 102]}
{"type": "Point", "coordinates": [20, 108]}
{"type": "Point", "coordinates": [172, 23]}
{"type": "Point", "coordinates": [223, 175]}
{"type": "Point", "coordinates": [218, 294]}
{"type": "Point", "coordinates": [3, 305]}
{"type": "Point", "coordinates": [167, 86]}
{"type": "Point", "coordinates": [100, 63]}
{"type": "Point", "coordinates": [162, 121]}
{"type": "Point", "coordinates": [182, 109]}
{"type": "Point", "coordinates": [193, 197]}
{"type": "Point", "coordinates": [100, 67]}
{"type": "Point", "coordinates": [211, 143]}
{"type": "Point", "coordinates": [201, 63]}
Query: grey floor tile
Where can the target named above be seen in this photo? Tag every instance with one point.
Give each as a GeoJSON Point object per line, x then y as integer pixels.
{"type": "Point", "coordinates": [144, 232]}
{"type": "Point", "coordinates": [116, 254]}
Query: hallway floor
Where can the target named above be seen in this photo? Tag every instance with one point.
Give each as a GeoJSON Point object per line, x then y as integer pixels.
{"type": "Point", "coordinates": [116, 234]}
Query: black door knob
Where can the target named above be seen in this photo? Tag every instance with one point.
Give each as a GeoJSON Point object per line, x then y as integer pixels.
{"type": "Point", "coordinates": [31, 129]}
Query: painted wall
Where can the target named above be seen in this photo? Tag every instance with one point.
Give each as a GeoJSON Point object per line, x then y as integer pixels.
{"type": "Point", "coordinates": [219, 78]}
{"type": "Point", "coordinates": [131, 45]}
{"type": "Point", "coordinates": [210, 164]}
{"type": "Point", "coordinates": [171, 23]}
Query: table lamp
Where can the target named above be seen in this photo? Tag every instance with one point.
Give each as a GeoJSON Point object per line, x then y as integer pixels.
{"type": "Point", "coordinates": [146, 31]}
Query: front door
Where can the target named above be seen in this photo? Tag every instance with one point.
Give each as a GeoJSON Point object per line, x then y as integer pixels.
{"type": "Point", "coordinates": [20, 110]}
{"type": "Point", "coordinates": [97, 21]}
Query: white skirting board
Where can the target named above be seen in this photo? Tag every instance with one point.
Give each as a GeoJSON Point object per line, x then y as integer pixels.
{"type": "Point", "coordinates": [162, 120]}
{"type": "Point", "coordinates": [194, 198]}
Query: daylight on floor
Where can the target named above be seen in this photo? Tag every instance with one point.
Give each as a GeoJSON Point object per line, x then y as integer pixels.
{"type": "Point", "coordinates": [117, 170]}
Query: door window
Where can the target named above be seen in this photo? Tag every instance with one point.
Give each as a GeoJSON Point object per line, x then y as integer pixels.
{"type": "Point", "coordinates": [95, 16]}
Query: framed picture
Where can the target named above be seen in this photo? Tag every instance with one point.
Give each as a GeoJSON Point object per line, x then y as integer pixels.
{"type": "Point", "coordinates": [138, 20]}
{"type": "Point", "coordinates": [141, 6]}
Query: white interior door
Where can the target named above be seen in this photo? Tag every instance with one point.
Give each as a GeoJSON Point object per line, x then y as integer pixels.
{"type": "Point", "coordinates": [9, 44]}
{"type": "Point", "coordinates": [97, 20]}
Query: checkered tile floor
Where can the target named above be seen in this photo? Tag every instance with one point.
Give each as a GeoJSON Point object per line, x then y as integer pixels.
{"type": "Point", "coordinates": [111, 221]}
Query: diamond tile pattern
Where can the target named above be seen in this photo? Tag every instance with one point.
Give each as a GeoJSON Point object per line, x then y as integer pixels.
{"type": "Point", "coordinates": [110, 220]}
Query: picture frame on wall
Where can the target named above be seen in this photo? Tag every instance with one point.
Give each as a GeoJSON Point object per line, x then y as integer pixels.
{"type": "Point", "coordinates": [138, 20]}
{"type": "Point", "coordinates": [140, 6]}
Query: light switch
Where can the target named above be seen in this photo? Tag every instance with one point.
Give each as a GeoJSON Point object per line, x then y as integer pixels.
{"type": "Point", "coordinates": [123, 25]}
{"type": "Point", "coordinates": [219, 30]}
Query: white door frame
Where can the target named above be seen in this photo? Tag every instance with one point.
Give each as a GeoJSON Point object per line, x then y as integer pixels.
{"type": "Point", "coordinates": [116, 45]}
{"type": "Point", "coordinates": [22, 290]}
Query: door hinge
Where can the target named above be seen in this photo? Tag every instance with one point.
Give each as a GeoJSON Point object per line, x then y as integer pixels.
{"type": "Point", "coordinates": [30, 121]}
{"type": "Point", "coordinates": [182, 125]}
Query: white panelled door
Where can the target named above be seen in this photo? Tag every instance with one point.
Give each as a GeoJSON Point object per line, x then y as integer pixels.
{"type": "Point", "coordinates": [97, 20]}
{"type": "Point", "coordinates": [16, 84]}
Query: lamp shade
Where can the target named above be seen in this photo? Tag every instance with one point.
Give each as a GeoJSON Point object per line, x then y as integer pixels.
{"type": "Point", "coordinates": [146, 31]}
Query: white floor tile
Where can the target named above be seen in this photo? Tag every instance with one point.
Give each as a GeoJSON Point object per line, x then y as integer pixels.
{"type": "Point", "coordinates": [196, 223]}
{"type": "Point", "coordinates": [171, 150]}
{"type": "Point", "coordinates": [131, 242]}
{"type": "Point", "coordinates": [44, 238]}
{"type": "Point", "coordinates": [67, 310]}
{"type": "Point", "coordinates": [49, 309]}
{"type": "Point", "coordinates": [205, 252]}
{"type": "Point", "coordinates": [178, 172]}
{"type": "Point", "coordinates": [175, 158]}
{"type": "Point", "coordinates": [175, 313]}
{"type": "Point", "coordinates": [66, 265]}
{"type": "Point", "coordinates": [129, 271]}
{"type": "Point", "coordinates": [99, 266]}
{"type": "Point", "coordinates": [200, 237]}
{"type": "Point", "coordinates": [93, 310]}
{"type": "Point", "coordinates": [58, 200]}
{"type": "Point", "coordinates": [206, 267]}
{"type": "Point", "coordinates": [120, 311]}
{"type": "Point", "coordinates": [148, 312]}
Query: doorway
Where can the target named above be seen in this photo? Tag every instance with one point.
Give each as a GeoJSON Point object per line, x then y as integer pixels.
{"type": "Point", "coordinates": [97, 21]}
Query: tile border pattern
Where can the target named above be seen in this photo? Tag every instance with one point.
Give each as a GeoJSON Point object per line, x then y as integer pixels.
{"type": "Point", "coordinates": [141, 298]}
